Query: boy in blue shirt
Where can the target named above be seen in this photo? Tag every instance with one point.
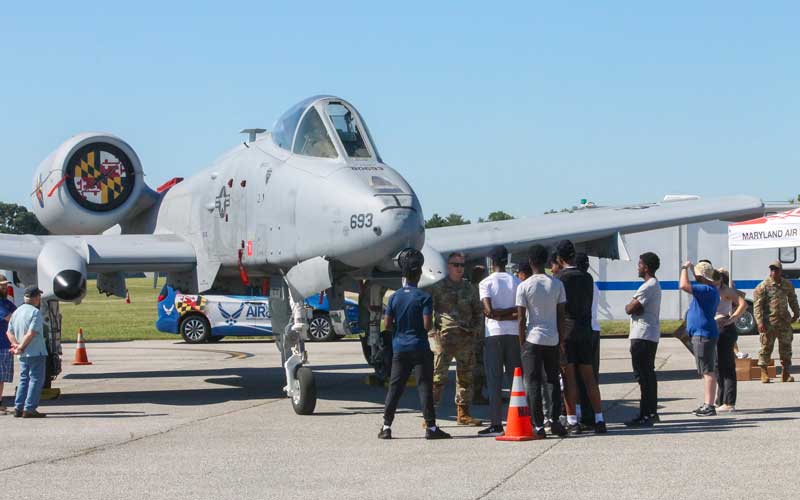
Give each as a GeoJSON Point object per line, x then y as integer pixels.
{"type": "Point", "coordinates": [702, 327]}
{"type": "Point", "coordinates": [409, 311]}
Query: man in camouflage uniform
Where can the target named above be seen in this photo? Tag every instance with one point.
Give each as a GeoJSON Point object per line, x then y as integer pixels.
{"type": "Point", "coordinates": [479, 373]}
{"type": "Point", "coordinates": [772, 299]}
{"type": "Point", "coordinates": [457, 318]}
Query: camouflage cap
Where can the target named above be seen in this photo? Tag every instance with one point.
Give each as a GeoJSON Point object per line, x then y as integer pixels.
{"type": "Point", "coordinates": [777, 264]}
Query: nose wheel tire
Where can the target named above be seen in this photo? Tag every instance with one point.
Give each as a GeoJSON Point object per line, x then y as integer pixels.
{"type": "Point", "coordinates": [195, 330]}
{"type": "Point", "coordinates": [304, 391]}
{"type": "Point", "coordinates": [320, 328]}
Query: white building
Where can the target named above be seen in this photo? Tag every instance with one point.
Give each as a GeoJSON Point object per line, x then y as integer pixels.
{"type": "Point", "coordinates": [618, 279]}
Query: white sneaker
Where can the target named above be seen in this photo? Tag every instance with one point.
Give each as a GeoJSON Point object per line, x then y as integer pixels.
{"type": "Point", "coordinates": [726, 408]}
{"type": "Point", "coordinates": [742, 355]}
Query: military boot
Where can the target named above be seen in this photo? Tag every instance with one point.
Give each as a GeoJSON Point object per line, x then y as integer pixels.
{"type": "Point", "coordinates": [786, 374]}
{"type": "Point", "coordinates": [464, 418]}
{"type": "Point", "coordinates": [764, 375]}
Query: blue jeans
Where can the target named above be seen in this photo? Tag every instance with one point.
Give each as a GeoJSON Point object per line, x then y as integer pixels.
{"type": "Point", "coordinates": [31, 381]}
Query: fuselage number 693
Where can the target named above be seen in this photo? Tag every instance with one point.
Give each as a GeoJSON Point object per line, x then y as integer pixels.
{"type": "Point", "coordinates": [360, 220]}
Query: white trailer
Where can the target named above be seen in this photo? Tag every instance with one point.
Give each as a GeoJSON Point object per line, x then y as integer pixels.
{"type": "Point", "coordinates": [618, 279]}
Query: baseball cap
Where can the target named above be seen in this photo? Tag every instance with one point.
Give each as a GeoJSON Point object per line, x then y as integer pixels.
{"type": "Point", "coordinates": [776, 264]}
{"type": "Point", "coordinates": [411, 261]}
{"type": "Point", "coordinates": [565, 249]}
{"type": "Point", "coordinates": [705, 270]}
{"type": "Point", "coordinates": [499, 254]}
{"type": "Point", "coordinates": [4, 281]}
{"type": "Point", "coordinates": [32, 291]}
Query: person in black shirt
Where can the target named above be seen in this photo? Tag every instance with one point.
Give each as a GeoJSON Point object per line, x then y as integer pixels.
{"type": "Point", "coordinates": [409, 311]}
{"type": "Point", "coordinates": [577, 344]}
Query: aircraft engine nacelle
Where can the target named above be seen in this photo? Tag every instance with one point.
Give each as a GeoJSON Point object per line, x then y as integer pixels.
{"type": "Point", "coordinates": [88, 184]}
{"type": "Point", "coordinates": [61, 272]}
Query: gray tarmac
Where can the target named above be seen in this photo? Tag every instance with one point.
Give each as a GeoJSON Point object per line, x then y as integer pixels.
{"type": "Point", "coordinates": [163, 420]}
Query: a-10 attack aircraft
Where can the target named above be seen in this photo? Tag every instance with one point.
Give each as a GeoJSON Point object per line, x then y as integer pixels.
{"type": "Point", "coordinates": [309, 207]}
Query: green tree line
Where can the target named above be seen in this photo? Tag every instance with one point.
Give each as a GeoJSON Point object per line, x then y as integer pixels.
{"type": "Point", "coordinates": [455, 219]}
{"type": "Point", "coordinates": [16, 219]}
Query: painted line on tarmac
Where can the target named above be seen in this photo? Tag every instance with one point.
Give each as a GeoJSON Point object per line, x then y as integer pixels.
{"type": "Point", "coordinates": [231, 354]}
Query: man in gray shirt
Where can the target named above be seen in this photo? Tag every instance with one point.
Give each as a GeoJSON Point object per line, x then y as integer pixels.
{"type": "Point", "coordinates": [26, 334]}
{"type": "Point", "coordinates": [645, 332]}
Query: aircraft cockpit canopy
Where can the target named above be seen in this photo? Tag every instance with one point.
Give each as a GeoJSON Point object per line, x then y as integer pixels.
{"type": "Point", "coordinates": [324, 127]}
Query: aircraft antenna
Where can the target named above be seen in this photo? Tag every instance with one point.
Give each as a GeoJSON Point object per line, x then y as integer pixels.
{"type": "Point", "coordinates": [252, 133]}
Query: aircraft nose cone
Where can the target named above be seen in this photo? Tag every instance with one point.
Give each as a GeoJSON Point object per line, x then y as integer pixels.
{"type": "Point", "coordinates": [385, 228]}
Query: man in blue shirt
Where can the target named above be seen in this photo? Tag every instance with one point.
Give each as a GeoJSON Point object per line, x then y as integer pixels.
{"type": "Point", "coordinates": [6, 357]}
{"type": "Point", "coordinates": [702, 327]}
{"type": "Point", "coordinates": [26, 333]}
{"type": "Point", "coordinates": [409, 311]}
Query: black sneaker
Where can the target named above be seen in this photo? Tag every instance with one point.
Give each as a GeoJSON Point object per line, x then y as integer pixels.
{"type": "Point", "coordinates": [32, 414]}
{"type": "Point", "coordinates": [600, 427]}
{"type": "Point", "coordinates": [540, 434]}
{"type": "Point", "coordinates": [640, 421]}
{"type": "Point", "coordinates": [699, 408]}
{"type": "Point", "coordinates": [385, 434]}
{"type": "Point", "coordinates": [492, 430]}
{"type": "Point", "coordinates": [558, 429]}
{"type": "Point", "coordinates": [654, 418]}
{"type": "Point", "coordinates": [436, 433]}
{"type": "Point", "coordinates": [706, 411]}
{"type": "Point", "coordinates": [574, 429]}
{"type": "Point", "coordinates": [17, 413]}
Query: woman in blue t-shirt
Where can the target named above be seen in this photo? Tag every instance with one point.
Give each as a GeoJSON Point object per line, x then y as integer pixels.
{"type": "Point", "coordinates": [702, 327]}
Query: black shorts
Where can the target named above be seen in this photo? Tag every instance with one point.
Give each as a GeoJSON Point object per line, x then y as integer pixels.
{"type": "Point", "coordinates": [579, 350]}
{"type": "Point", "coordinates": [705, 352]}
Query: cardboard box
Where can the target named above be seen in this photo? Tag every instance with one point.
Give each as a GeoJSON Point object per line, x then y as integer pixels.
{"type": "Point", "coordinates": [755, 373]}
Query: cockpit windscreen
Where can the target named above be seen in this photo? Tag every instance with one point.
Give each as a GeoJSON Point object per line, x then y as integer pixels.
{"type": "Point", "coordinates": [348, 130]}
{"type": "Point", "coordinates": [312, 138]}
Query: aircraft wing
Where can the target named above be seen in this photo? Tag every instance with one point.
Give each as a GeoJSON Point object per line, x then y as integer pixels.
{"type": "Point", "coordinates": [597, 231]}
{"type": "Point", "coordinates": [59, 264]}
{"type": "Point", "coordinates": [103, 253]}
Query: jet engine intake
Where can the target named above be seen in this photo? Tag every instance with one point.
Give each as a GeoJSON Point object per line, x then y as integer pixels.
{"type": "Point", "coordinates": [88, 184]}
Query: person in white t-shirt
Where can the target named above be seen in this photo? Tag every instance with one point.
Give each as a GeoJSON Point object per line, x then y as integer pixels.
{"type": "Point", "coordinates": [498, 293]}
{"type": "Point", "coordinates": [540, 303]}
{"type": "Point", "coordinates": [644, 309]}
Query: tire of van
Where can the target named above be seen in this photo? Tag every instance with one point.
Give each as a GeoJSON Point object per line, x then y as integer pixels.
{"type": "Point", "coordinates": [195, 329]}
{"type": "Point", "coordinates": [746, 324]}
{"type": "Point", "coordinates": [320, 328]}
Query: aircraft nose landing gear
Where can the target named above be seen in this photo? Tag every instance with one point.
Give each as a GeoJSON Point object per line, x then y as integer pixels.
{"type": "Point", "coordinates": [290, 327]}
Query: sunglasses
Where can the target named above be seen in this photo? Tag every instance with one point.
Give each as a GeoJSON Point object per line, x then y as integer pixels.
{"type": "Point", "coordinates": [457, 264]}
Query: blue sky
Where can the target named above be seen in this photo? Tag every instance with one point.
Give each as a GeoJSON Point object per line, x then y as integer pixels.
{"type": "Point", "coordinates": [483, 106]}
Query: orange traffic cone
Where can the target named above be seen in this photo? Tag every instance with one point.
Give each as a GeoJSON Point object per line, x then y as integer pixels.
{"type": "Point", "coordinates": [80, 351]}
{"type": "Point", "coordinates": [518, 425]}
{"type": "Point", "coordinates": [127, 297]}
